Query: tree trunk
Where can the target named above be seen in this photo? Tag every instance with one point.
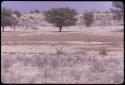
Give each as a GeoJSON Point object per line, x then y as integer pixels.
{"type": "Point", "coordinates": [14, 28]}
{"type": "Point", "coordinates": [60, 28]}
{"type": "Point", "coordinates": [2, 28]}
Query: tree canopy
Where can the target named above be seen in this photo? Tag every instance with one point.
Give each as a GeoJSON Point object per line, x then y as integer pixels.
{"type": "Point", "coordinates": [7, 18]}
{"type": "Point", "coordinates": [60, 17]}
{"type": "Point", "coordinates": [118, 10]}
{"type": "Point", "coordinates": [88, 18]}
{"type": "Point", "coordinates": [36, 11]}
{"type": "Point", "coordinates": [17, 13]}
{"type": "Point", "coordinates": [118, 4]}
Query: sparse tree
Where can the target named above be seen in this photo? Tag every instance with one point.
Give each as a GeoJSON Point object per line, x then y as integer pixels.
{"type": "Point", "coordinates": [88, 18]}
{"type": "Point", "coordinates": [14, 23]}
{"type": "Point", "coordinates": [36, 11]}
{"type": "Point", "coordinates": [17, 13]}
{"type": "Point", "coordinates": [60, 17]}
{"type": "Point", "coordinates": [118, 10]}
{"type": "Point", "coordinates": [7, 18]}
{"type": "Point", "coordinates": [118, 5]}
{"type": "Point", "coordinates": [31, 12]}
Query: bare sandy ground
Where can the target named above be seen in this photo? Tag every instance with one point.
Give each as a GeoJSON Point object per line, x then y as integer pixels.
{"type": "Point", "coordinates": [53, 49]}
{"type": "Point", "coordinates": [50, 29]}
{"type": "Point", "coordinates": [43, 36]}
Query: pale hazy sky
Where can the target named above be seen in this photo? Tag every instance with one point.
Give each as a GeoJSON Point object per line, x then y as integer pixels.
{"type": "Point", "coordinates": [80, 6]}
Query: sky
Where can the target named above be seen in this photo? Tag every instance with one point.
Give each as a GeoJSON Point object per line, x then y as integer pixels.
{"type": "Point", "coordinates": [80, 6]}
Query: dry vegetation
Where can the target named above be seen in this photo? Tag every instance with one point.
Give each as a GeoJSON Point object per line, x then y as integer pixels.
{"type": "Point", "coordinates": [89, 50]}
{"type": "Point", "coordinates": [66, 57]}
{"type": "Point", "coordinates": [75, 68]}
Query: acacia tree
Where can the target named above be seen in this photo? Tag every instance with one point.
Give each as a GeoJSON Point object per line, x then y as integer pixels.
{"type": "Point", "coordinates": [15, 19]}
{"type": "Point", "coordinates": [6, 15]}
{"type": "Point", "coordinates": [17, 13]}
{"type": "Point", "coordinates": [14, 23]}
{"type": "Point", "coordinates": [7, 18]}
{"type": "Point", "coordinates": [118, 4]}
{"type": "Point", "coordinates": [31, 12]}
{"type": "Point", "coordinates": [88, 18]}
{"type": "Point", "coordinates": [118, 10]}
{"type": "Point", "coordinates": [36, 11]}
{"type": "Point", "coordinates": [60, 17]}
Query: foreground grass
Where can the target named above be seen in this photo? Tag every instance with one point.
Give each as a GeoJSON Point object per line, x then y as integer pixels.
{"type": "Point", "coordinates": [66, 68]}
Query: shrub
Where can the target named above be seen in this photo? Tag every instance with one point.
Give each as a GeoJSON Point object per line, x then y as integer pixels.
{"type": "Point", "coordinates": [103, 51]}
{"type": "Point", "coordinates": [54, 62]}
{"type": "Point", "coordinates": [34, 28]}
{"type": "Point", "coordinates": [38, 61]}
{"type": "Point", "coordinates": [75, 74]}
{"type": "Point", "coordinates": [117, 78]}
{"type": "Point", "coordinates": [36, 11]}
{"type": "Point", "coordinates": [88, 18]}
{"type": "Point", "coordinates": [12, 53]}
{"type": "Point", "coordinates": [7, 62]}
{"type": "Point", "coordinates": [48, 72]}
{"type": "Point", "coordinates": [95, 65]}
{"type": "Point", "coordinates": [58, 51]}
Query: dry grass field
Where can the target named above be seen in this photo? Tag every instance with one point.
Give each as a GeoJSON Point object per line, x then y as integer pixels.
{"type": "Point", "coordinates": [87, 55]}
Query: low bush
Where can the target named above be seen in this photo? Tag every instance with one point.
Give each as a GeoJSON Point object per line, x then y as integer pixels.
{"type": "Point", "coordinates": [103, 51]}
